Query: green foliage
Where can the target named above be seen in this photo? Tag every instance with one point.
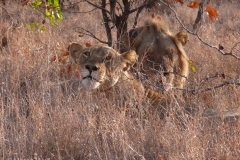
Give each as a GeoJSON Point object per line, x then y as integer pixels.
{"type": "Point", "coordinates": [52, 10]}
{"type": "Point", "coordinates": [34, 25]}
{"type": "Point", "coordinates": [36, 4]}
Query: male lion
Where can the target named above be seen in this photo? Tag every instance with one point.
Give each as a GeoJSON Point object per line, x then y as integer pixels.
{"type": "Point", "coordinates": [104, 70]}
{"type": "Point", "coordinates": [159, 49]}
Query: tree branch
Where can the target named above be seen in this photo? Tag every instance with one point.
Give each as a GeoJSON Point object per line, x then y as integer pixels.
{"type": "Point", "coordinates": [196, 34]}
{"type": "Point", "coordinates": [142, 6]}
{"type": "Point", "coordinates": [197, 90]}
{"type": "Point", "coordinates": [136, 17]}
{"type": "Point", "coordinates": [90, 34]}
{"type": "Point", "coordinates": [218, 86]}
{"type": "Point", "coordinates": [106, 20]}
{"type": "Point", "coordinates": [120, 6]}
{"type": "Point", "coordinates": [102, 8]}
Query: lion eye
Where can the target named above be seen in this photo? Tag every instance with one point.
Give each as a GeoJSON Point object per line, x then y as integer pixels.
{"type": "Point", "coordinates": [86, 54]}
{"type": "Point", "coordinates": [108, 58]}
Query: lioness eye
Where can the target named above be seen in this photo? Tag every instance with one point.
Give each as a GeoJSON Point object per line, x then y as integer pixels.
{"type": "Point", "coordinates": [86, 54]}
{"type": "Point", "coordinates": [108, 58]}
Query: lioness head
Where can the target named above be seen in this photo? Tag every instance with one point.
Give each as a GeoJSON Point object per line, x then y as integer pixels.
{"type": "Point", "coordinates": [100, 66]}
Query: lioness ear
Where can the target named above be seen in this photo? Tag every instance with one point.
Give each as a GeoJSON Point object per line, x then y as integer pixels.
{"type": "Point", "coordinates": [74, 50]}
{"type": "Point", "coordinates": [128, 59]}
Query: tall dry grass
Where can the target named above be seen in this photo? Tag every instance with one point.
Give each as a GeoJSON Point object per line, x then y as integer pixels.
{"type": "Point", "coordinates": [38, 121]}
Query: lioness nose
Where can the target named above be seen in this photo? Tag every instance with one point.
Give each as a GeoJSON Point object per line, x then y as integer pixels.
{"type": "Point", "coordinates": [91, 68]}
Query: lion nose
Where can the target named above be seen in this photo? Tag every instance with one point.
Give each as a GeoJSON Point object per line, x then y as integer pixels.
{"type": "Point", "coordinates": [91, 68]}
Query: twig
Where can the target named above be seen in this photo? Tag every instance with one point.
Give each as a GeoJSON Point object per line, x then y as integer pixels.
{"type": "Point", "coordinates": [97, 6]}
{"type": "Point", "coordinates": [234, 47]}
{"type": "Point", "coordinates": [219, 50]}
{"type": "Point", "coordinates": [199, 17]}
{"type": "Point", "coordinates": [197, 90]}
{"type": "Point", "coordinates": [7, 12]}
{"type": "Point", "coordinates": [176, 16]}
{"type": "Point", "coordinates": [196, 34]}
{"type": "Point", "coordinates": [136, 17]}
{"type": "Point", "coordinates": [142, 6]}
{"type": "Point", "coordinates": [120, 6]}
{"type": "Point", "coordinates": [91, 35]}
{"type": "Point", "coordinates": [220, 85]}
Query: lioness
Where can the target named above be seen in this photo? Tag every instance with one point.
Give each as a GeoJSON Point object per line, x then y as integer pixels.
{"type": "Point", "coordinates": [104, 70]}
{"type": "Point", "coordinates": [159, 49]}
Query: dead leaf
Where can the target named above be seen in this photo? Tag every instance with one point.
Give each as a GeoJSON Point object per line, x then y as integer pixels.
{"type": "Point", "coordinates": [153, 15]}
{"type": "Point", "coordinates": [194, 4]}
{"type": "Point", "coordinates": [88, 44]}
{"type": "Point", "coordinates": [180, 1]}
{"type": "Point", "coordinates": [77, 74]}
{"type": "Point", "coordinates": [65, 53]}
{"type": "Point", "coordinates": [212, 13]}
{"type": "Point", "coordinates": [69, 69]}
{"type": "Point", "coordinates": [221, 47]}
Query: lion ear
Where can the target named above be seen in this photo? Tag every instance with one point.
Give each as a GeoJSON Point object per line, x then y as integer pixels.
{"type": "Point", "coordinates": [74, 50]}
{"type": "Point", "coordinates": [128, 59]}
{"type": "Point", "coordinates": [133, 33]}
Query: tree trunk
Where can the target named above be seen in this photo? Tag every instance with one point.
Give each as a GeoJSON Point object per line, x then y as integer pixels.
{"type": "Point", "coordinates": [105, 21]}
{"type": "Point", "coordinates": [121, 22]}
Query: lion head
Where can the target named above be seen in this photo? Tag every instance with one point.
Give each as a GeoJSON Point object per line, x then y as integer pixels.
{"type": "Point", "coordinates": [101, 67]}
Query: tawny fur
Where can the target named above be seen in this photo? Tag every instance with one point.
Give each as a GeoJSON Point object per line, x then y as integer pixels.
{"type": "Point", "coordinates": [154, 40]}
{"type": "Point", "coordinates": [112, 74]}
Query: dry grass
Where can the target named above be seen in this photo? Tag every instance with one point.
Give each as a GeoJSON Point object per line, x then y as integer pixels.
{"type": "Point", "coordinates": [57, 127]}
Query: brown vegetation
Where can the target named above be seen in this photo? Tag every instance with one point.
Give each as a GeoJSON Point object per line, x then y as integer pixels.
{"type": "Point", "coordinates": [37, 121]}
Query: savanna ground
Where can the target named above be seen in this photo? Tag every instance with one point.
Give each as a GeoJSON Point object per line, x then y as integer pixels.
{"type": "Point", "coordinates": [37, 122]}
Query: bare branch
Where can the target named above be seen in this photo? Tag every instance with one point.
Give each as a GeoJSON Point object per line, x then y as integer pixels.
{"type": "Point", "coordinates": [112, 10]}
{"type": "Point", "coordinates": [136, 17]}
{"type": "Point", "coordinates": [199, 17]}
{"type": "Point", "coordinates": [234, 47]}
{"type": "Point", "coordinates": [106, 20]}
{"type": "Point", "coordinates": [175, 13]}
{"type": "Point", "coordinates": [220, 85]}
{"type": "Point", "coordinates": [196, 34]}
{"type": "Point", "coordinates": [120, 6]}
{"type": "Point", "coordinates": [142, 6]}
{"type": "Point", "coordinates": [10, 14]}
{"type": "Point", "coordinates": [88, 33]}
{"type": "Point", "coordinates": [219, 50]}
{"type": "Point", "coordinates": [232, 81]}
{"type": "Point", "coordinates": [102, 8]}
{"type": "Point", "coordinates": [197, 89]}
